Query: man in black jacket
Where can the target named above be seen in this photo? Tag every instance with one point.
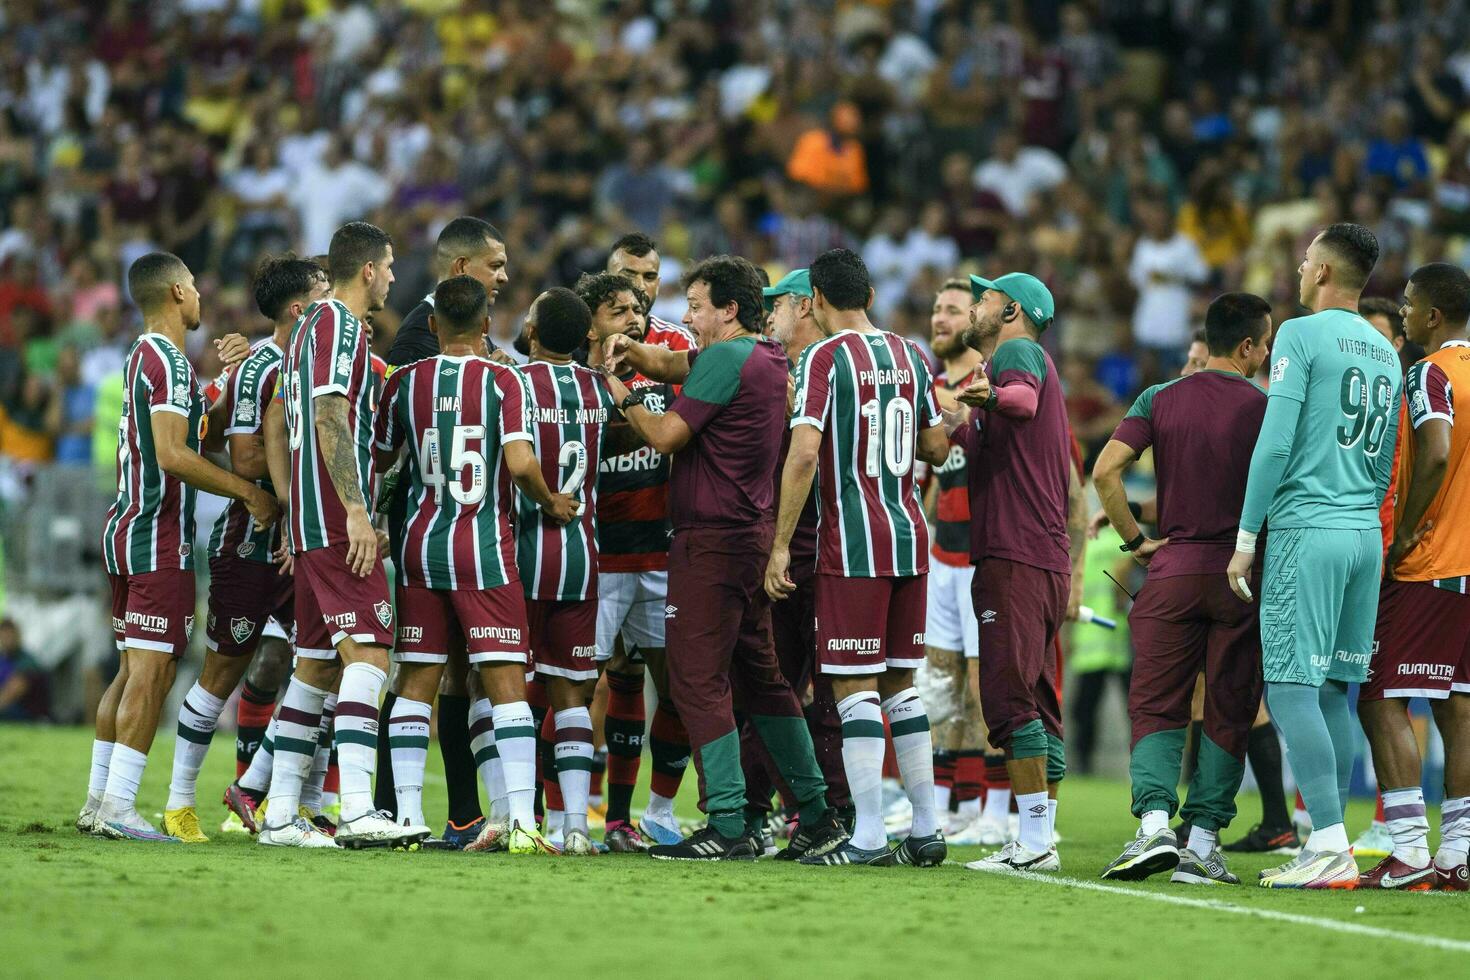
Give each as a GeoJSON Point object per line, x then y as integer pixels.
{"type": "Point", "coordinates": [466, 247]}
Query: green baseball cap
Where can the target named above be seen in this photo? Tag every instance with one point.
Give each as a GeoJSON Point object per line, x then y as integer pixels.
{"type": "Point", "coordinates": [797, 282]}
{"type": "Point", "coordinates": [1031, 293]}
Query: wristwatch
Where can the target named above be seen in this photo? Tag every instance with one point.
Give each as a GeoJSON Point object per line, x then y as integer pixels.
{"type": "Point", "coordinates": [1133, 545]}
{"type": "Point", "coordinates": [634, 398]}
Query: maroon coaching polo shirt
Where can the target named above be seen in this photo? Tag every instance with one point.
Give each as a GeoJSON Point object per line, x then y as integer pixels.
{"type": "Point", "coordinates": [1203, 430]}
{"type": "Point", "coordinates": [734, 401]}
{"type": "Point", "coordinates": [1020, 469]}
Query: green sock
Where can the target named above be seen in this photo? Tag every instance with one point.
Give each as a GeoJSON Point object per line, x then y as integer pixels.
{"type": "Point", "coordinates": [1333, 700]}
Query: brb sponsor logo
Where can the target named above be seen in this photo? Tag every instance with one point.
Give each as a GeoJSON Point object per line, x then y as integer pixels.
{"type": "Point", "coordinates": [148, 624]}
{"type": "Point", "coordinates": [501, 634]}
{"type": "Point", "coordinates": [638, 461]}
{"type": "Point", "coordinates": [954, 461]}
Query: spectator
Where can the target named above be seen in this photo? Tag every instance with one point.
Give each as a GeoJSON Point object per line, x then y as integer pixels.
{"type": "Point", "coordinates": [1215, 221]}
{"type": "Point", "coordinates": [71, 411]}
{"type": "Point", "coordinates": [86, 293]}
{"type": "Point", "coordinates": [336, 190]}
{"type": "Point", "coordinates": [1165, 266]}
{"type": "Point", "coordinates": [640, 192]}
{"type": "Point", "coordinates": [1396, 158]}
{"type": "Point", "coordinates": [830, 159]}
{"type": "Point", "coordinates": [22, 682]}
{"type": "Point", "coordinates": [1015, 173]}
{"type": "Point", "coordinates": [261, 191]}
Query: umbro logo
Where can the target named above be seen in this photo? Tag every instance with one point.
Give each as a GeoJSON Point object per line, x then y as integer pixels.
{"type": "Point", "coordinates": [988, 616]}
{"type": "Point", "coordinates": [669, 611]}
{"type": "Point", "coordinates": [1039, 810]}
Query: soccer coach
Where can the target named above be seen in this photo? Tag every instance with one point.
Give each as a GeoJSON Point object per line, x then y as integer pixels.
{"type": "Point", "coordinates": [724, 433]}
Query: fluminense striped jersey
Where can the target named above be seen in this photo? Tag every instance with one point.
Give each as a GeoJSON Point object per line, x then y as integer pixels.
{"type": "Point", "coordinates": [150, 526]}
{"type": "Point", "coordinates": [568, 408]}
{"type": "Point", "coordinates": [456, 414]}
{"type": "Point", "coordinates": [248, 391]}
{"type": "Point", "coordinates": [869, 394]}
{"type": "Point", "coordinates": [328, 355]}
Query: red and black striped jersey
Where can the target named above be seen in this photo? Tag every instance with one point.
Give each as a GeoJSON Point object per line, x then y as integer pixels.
{"type": "Point", "coordinates": [952, 508]}
{"type": "Point", "coordinates": [568, 408]}
{"type": "Point", "coordinates": [150, 525]}
{"type": "Point", "coordinates": [633, 498]}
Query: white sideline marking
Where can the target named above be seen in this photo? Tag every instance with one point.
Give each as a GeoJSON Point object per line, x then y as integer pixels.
{"type": "Point", "coordinates": [1332, 925]}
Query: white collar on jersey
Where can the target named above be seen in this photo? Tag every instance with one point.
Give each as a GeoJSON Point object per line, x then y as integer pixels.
{"type": "Point", "coordinates": [1454, 343]}
{"type": "Point", "coordinates": [429, 298]}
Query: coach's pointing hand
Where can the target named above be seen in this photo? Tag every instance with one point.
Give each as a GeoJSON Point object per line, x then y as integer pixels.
{"type": "Point", "coordinates": [977, 393]}
{"type": "Point", "coordinates": [615, 348]}
{"type": "Point", "coordinates": [778, 582]}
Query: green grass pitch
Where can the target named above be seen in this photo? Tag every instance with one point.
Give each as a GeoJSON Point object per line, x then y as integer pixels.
{"type": "Point", "coordinates": [75, 906]}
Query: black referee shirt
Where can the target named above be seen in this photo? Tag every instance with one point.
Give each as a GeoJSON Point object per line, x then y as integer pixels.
{"type": "Point", "coordinates": [414, 341]}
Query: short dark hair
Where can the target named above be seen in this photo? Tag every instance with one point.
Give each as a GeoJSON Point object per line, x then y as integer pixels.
{"type": "Point", "coordinates": [465, 235]}
{"type": "Point", "coordinates": [842, 278]}
{"type": "Point", "coordinates": [152, 276]}
{"type": "Point", "coordinates": [597, 288]}
{"type": "Point", "coordinates": [1199, 337]}
{"type": "Point", "coordinates": [1379, 306]}
{"type": "Point", "coordinates": [353, 246]}
{"type": "Point", "coordinates": [635, 243]}
{"type": "Point", "coordinates": [281, 279]}
{"type": "Point", "coordinates": [460, 306]}
{"type": "Point", "coordinates": [1358, 249]}
{"type": "Point", "coordinates": [732, 279]}
{"type": "Point", "coordinates": [1231, 318]}
{"type": "Point", "coordinates": [562, 320]}
{"type": "Point", "coordinates": [963, 285]}
{"type": "Point", "coordinates": [1447, 289]}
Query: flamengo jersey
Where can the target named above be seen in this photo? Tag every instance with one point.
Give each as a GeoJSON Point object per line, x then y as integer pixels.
{"type": "Point", "coordinates": [952, 508]}
{"type": "Point", "coordinates": [674, 336]}
{"type": "Point", "coordinates": [1433, 390]}
{"type": "Point", "coordinates": [328, 355]}
{"type": "Point", "coordinates": [567, 407]}
{"type": "Point", "coordinates": [456, 413]}
{"type": "Point", "coordinates": [633, 498]}
{"type": "Point", "coordinates": [869, 394]}
{"type": "Point", "coordinates": [150, 525]}
{"type": "Point", "coordinates": [248, 391]}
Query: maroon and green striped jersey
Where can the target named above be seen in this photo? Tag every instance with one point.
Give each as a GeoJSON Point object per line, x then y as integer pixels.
{"type": "Point", "coordinates": [456, 414]}
{"type": "Point", "coordinates": [150, 526]}
{"type": "Point", "coordinates": [633, 497]}
{"type": "Point", "coordinates": [247, 391]}
{"type": "Point", "coordinates": [568, 408]}
{"type": "Point", "coordinates": [328, 355]}
{"type": "Point", "coordinates": [869, 393]}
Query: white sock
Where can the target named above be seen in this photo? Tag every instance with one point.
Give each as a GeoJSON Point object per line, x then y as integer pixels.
{"type": "Point", "coordinates": [1154, 821]}
{"type": "Point", "coordinates": [408, 744]}
{"type": "Point", "coordinates": [1333, 839]}
{"type": "Point", "coordinates": [914, 749]}
{"type": "Point", "coordinates": [198, 716]}
{"type": "Point", "coordinates": [486, 753]}
{"type": "Point", "coordinates": [1408, 824]}
{"type": "Point", "coordinates": [514, 776]}
{"type": "Point", "coordinates": [1201, 841]}
{"type": "Point", "coordinates": [997, 805]}
{"type": "Point", "coordinates": [555, 822]}
{"type": "Point", "coordinates": [660, 809]}
{"type": "Point", "coordinates": [357, 736]}
{"type": "Point", "coordinates": [97, 781]}
{"type": "Point", "coordinates": [124, 773]}
{"type": "Point", "coordinates": [574, 764]}
{"type": "Point", "coordinates": [862, 758]}
{"type": "Point", "coordinates": [941, 798]}
{"type": "Point", "coordinates": [1454, 831]}
{"type": "Point", "coordinates": [311, 789]}
{"type": "Point", "coordinates": [970, 808]}
{"type": "Point", "coordinates": [257, 778]}
{"type": "Point", "coordinates": [293, 735]}
{"type": "Point", "coordinates": [1035, 832]}
{"type": "Point", "coordinates": [1051, 817]}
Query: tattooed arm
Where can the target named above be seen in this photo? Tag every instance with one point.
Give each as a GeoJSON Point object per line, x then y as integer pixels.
{"type": "Point", "coordinates": [335, 442]}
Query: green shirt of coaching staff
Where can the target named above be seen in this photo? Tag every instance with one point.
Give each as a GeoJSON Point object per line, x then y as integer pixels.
{"type": "Point", "coordinates": [724, 434]}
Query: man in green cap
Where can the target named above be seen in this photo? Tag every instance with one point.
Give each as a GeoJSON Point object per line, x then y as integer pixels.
{"type": "Point", "coordinates": [1018, 438]}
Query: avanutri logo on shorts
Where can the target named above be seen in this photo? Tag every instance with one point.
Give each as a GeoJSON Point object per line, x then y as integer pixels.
{"type": "Point", "coordinates": [866, 644]}
{"type": "Point", "coordinates": [504, 634]}
{"type": "Point", "coordinates": [1443, 672]}
{"type": "Point", "coordinates": [584, 653]}
{"type": "Point", "coordinates": [346, 621]}
{"type": "Point", "coordinates": [148, 624]}
{"type": "Point", "coordinates": [411, 634]}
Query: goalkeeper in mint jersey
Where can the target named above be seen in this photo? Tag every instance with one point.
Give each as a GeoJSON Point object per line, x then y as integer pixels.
{"type": "Point", "coordinates": [1319, 472]}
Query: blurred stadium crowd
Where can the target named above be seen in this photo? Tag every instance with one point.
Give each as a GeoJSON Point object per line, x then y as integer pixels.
{"type": "Point", "coordinates": [1138, 155]}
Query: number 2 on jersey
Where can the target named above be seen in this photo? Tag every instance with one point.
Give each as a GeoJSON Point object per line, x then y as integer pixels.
{"type": "Point", "coordinates": [1367, 413]}
{"type": "Point", "coordinates": [891, 433]}
{"type": "Point", "coordinates": [573, 459]}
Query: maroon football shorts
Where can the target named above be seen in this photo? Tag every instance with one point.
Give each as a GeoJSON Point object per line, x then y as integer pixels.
{"type": "Point", "coordinates": [490, 624]}
{"type": "Point", "coordinates": [563, 638]}
{"type": "Point", "coordinates": [333, 604]}
{"type": "Point", "coordinates": [865, 625]}
{"type": "Point", "coordinates": [1421, 645]}
{"type": "Point", "coordinates": [243, 596]}
{"type": "Point", "coordinates": [153, 610]}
